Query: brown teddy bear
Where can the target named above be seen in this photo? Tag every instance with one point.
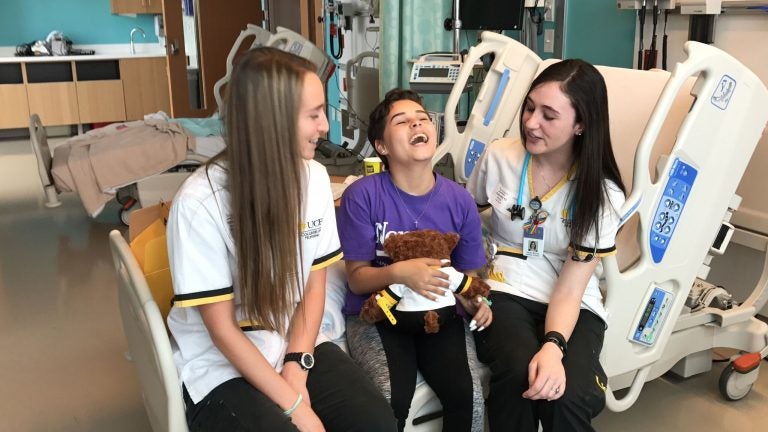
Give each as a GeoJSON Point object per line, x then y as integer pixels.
{"type": "Point", "coordinates": [408, 310]}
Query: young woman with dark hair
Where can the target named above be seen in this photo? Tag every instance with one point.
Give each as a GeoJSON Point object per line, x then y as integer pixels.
{"type": "Point", "coordinates": [554, 195]}
{"type": "Point", "coordinates": [249, 237]}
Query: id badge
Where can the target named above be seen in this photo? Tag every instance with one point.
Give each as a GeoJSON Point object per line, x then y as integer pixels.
{"type": "Point", "coordinates": [533, 242]}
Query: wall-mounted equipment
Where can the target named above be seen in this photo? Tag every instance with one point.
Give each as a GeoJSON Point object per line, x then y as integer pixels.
{"type": "Point", "coordinates": [491, 14]}
{"type": "Point", "coordinates": [435, 73]}
{"type": "Point", "coordinates": [700, 7]}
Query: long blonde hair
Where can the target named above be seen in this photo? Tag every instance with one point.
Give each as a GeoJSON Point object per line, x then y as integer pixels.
{"type": "Point", "coordinates": [265, 173]}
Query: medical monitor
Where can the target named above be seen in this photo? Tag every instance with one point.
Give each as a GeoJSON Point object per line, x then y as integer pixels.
{"type": "Point", "coordinates": [491, 14]}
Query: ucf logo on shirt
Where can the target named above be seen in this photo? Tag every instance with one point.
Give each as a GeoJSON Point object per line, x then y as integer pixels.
{"type": "Point", "coordinates": [311, 228]}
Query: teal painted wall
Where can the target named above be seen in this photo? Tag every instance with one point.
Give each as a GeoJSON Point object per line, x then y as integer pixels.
{"type": "Point", "coordinates": [598, 32]}
{"type": "Point", "coordinates": [82, 21]}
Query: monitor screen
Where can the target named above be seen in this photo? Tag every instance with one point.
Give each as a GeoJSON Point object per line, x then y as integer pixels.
{"type": "Point", "coordinates": [491, 14]}
{"type": "Point", "coordinates": [433, 72]}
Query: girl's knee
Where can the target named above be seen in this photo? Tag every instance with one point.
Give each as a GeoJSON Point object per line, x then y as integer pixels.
{"type": "Point", "coordinates": [586, 399]}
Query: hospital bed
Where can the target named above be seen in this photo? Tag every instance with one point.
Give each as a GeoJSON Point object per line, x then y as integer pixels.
{"type": "Point", "coordinates": [57, 173]}
{"type": "Point", "coordinates": [160, 181]}
{"type": "Point", "coordinates": [682, 141]}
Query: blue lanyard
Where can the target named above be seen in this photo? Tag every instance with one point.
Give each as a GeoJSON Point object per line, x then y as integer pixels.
{"type": "Point", "coordinates": [523, 179]}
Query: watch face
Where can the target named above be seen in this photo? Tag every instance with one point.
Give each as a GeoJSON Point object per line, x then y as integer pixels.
{"type": "Point", "coordinates": [535, 203]}
{"type": "Point", "coordinates": [307, 360]}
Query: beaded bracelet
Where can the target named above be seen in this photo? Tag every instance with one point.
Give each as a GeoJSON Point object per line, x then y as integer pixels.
{"type": "Point", "coordinates": [485, 300]}
{"type": "Point", "coordinates": [290, 410]}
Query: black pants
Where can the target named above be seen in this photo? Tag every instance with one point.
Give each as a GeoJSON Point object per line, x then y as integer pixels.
{"type": "Point", "coordinates": [508, 345]}
{"type": "Point", "coordinates": [342, 396]}
{"type": "Point", "coordinates": [442, 359]}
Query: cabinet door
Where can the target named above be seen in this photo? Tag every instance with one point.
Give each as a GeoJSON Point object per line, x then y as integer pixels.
{"type": "Point", "coordinates": [137, 6]}
{"type": "Point", "coordinates": [100, 101]}
{"type": "Point", "coordinates": [14, 109]}
{"type": "Point", "coordinates": [54, 102]}
{"type": "Point", "coordinates": [145, 85]}
{"type": "Point", "coordinates": [99, 91]}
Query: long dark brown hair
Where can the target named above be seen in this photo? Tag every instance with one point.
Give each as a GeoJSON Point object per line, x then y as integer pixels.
{"type": "Point", "coordinates": [265, 180]}
{"type": "Point", "coordinates": [583, 84]}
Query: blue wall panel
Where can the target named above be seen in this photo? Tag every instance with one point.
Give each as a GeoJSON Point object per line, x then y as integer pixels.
{"type": "Point", "coordinates": [598, 32]}
{"type": "Point", "coordinates": [82, 21]}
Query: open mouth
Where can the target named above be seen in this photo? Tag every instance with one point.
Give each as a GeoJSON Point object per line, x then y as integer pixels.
{"type": "Point", "coordinates": [418, 139]}
{"type": "Point", "coordinates": [532, 136]}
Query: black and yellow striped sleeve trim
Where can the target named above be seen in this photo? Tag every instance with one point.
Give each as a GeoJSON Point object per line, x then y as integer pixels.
{"type": "Point", "coordinates": [326, 260]}
{"type": "Point", "coordinates": [248, 325]}
{"type": "Point", "coordinates": [466, 281]}
{"type": "Point", "coordinates": [584, 251]}
{"type": "Point", "coordinates": [204, 297]}
{"type": "Point", "coordinates": [511, 252]}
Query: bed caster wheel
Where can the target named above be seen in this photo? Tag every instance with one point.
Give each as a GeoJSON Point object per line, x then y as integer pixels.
{"type": "Point", "coordinates": [126, 194]}
{"type": "Point", "coordinates": [126, 209]}
{"type": "Point", "coordinates": [737, 378]}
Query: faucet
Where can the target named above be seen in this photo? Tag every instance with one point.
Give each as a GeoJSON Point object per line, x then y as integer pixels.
{"type": "Point", "coordinates": [133, 31]}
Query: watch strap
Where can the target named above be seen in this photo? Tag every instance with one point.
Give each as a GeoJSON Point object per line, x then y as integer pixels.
{"type": "Point", "coordinates": [298, 358]}
{"type": "Point", "coordinates": [557, 339]}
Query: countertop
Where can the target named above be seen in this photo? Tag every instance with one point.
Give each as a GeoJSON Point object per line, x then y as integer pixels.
{"type": "Point", "coordinates": [103, 52]}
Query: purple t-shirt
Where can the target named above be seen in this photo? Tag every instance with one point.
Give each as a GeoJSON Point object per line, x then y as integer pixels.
{"type": "Point", "coordinates": [372, 208]}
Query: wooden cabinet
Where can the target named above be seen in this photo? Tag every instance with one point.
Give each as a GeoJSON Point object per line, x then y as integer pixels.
{"type": "Point", "coordinates": [54, 102]}
{"type": "Point", "coordinates": [99, 91]}
{"type": "Point", "coordinates": [14, 109]}
{"type": "Point", "coordinates": [145, 85]}
{"type": "Point", "coordinates": [100, 101]}
{"type": "Point", "coordinates": [137, 6]}
{"type": "Point", "coordinates": [82, 91]}
{"type": "Point", "coordinates": [52, 93]}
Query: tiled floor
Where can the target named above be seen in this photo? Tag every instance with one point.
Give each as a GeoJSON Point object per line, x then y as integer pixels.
{"type": "Point", "coordinates": [62, 363]}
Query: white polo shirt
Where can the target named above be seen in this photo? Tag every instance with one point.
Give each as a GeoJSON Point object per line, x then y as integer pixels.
{"type": "Point", "coordinates": [496, 181]}
{"type": "Point", "coordinates": [203, 267]}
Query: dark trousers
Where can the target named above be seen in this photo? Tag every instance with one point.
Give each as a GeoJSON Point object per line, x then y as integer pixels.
{"type": "Point", "coordinates": [508, 345]}
{"type": "Point", "coordinates": [442, 359]}
{"type": "Point", "coordinates": [341, 395]}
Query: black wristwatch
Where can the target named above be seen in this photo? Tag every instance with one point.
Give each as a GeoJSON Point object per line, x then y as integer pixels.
{"type": "Point", "coordinates": [305, 360]}
{"type": "Point", "coordinates": [557, 339]}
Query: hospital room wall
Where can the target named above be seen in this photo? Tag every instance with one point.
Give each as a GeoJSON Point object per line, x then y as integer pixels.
{"type": "Point", "coordinates": [82, 21]}
{"type": "Point", "coordinates": [598, 32]}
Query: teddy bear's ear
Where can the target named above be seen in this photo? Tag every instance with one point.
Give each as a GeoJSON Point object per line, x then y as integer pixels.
{"type": "Point", "coordinates": [451, 239]}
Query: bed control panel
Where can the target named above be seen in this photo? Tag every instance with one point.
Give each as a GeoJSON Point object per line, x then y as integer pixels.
{"type": "Point", "coordinates": [676, 193]}
{"type": "Point", "coordinates": [651, 319]}
{"type": "Point", "coordinates": [474, 151]}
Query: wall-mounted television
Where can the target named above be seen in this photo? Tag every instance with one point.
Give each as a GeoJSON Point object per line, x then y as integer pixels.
{"type": "Point", "coordinates": [491, 14]}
